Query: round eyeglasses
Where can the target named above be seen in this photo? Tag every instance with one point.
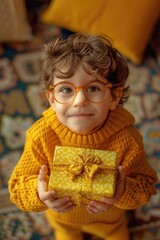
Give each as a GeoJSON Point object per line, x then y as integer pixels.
{"type": "Point", "coordinates": [65, 92]}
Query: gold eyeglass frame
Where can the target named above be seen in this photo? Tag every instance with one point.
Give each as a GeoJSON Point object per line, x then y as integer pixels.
{"type": "Point", "coordinates": [51, 88]}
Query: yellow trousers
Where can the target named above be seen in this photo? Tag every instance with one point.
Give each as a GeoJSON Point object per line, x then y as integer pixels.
{"type": "Point", "coordinates": [114, 231]}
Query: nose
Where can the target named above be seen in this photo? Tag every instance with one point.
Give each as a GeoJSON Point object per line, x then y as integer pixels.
{"type": "Point", "coordinates": [80, 99]}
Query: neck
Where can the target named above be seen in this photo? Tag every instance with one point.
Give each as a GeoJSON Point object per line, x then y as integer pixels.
{"type": "Point", "coordinates": [116, 120]}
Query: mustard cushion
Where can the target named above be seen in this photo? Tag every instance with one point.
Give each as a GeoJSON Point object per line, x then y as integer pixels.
{"type": "Point", "coordinates": [129, 24]}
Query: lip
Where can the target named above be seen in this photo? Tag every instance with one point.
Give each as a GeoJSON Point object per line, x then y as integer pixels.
{"type": "Point", "coordinates": [81, 115]}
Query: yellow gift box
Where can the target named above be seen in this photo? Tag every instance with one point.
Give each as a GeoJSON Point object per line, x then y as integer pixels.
{"type": "Point", "coordinates": [83, 174]}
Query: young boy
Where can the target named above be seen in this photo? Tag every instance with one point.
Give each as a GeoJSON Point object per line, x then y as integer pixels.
{"type": "Point", "coordinates": [84, 78]}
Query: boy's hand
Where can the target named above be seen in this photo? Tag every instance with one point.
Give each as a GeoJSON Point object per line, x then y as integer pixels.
{"type": "Point", "coordinates": [49, 197]}
{"type": "Point", "coordinates": [99, 207]}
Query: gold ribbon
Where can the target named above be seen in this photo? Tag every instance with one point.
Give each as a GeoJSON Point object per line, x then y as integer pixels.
{"type": "Point", "coordinates": [88, 164]}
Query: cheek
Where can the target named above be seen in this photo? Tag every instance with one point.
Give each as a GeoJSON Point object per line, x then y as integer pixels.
{"type": "Point", "coordinates": [103, 113]}
{"type": "Point", "coordinates": [103, 109]}
{"type": "Point", "coordinates": [60, 109]}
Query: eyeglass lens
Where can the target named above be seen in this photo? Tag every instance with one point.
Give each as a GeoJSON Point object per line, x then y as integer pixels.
{"type": "Point", "coordinates": [65, 92]}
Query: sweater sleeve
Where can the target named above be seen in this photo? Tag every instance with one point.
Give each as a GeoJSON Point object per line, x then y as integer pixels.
{"type": "Point", "coordinates": [140, 178]}
{"type": "Point", "coordinates": [23, 181]}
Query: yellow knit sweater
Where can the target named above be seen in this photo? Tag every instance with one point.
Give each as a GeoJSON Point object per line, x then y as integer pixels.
{"type": "Point", "coordinates": [117, 134]}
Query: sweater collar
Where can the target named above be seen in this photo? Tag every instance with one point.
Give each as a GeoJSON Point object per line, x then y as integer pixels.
{"type": "Point", "coordinates": [116, 120]}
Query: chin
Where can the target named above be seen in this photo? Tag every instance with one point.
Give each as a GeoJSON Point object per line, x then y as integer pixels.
{"type": "Point", "coordinates": [80, 130]}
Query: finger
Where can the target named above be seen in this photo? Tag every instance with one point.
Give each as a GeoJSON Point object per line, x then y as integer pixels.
{"type": "Point", "coordinates": [62, 204]}
{"type": "Point", "coordinates": [43, 195]}
{"type": "Point", "coordinates": [65, 208]}
{"type": "Point", "coordinates": [109, 201]}
{"type": "Point", "coordinates": [121, 181]}
{"type": "Point", "coordinates": [42, 186]}
{"type": "Point", "coordinates": [121, 173]}
{"type": "Point", "coordinates": [42, 179]}
{"type": "Point", "coordinates": [69, 208]}
{"type": "Point", "coordinates": [58, 203]}
{"type": "Point", "coordinates": [42, 173]}
{"type": "Point", "coordinates": [96, 207]}
{"type": "Point", "coordinates": [119, 187]}
{"type": "Point", "coordinates": [92, 209]}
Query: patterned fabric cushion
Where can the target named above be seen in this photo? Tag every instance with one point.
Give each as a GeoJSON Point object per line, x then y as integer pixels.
{"type": "Point", "coordinates": [14, 24]}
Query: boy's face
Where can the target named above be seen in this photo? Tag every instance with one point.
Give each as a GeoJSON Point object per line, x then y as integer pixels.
{"type": "Point", "coordinates": [81, 115]}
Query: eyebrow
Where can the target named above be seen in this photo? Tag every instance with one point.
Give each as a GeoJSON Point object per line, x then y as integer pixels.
{"type": "Point", "coordinates": [102, 79]}
{"type": "Point", "coordinates": [94, 78]}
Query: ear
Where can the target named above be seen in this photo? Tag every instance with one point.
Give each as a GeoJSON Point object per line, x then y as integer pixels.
{"type": "Point", "coordinates": [116, 96]}
{"type": "Point", "coordinates": [50, 98]}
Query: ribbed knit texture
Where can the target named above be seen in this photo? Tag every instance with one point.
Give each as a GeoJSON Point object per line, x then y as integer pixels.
{"type": "Point", "coordinates": [117, 134]}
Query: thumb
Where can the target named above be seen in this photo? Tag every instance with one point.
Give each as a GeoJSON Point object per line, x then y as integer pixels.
{"type": "Point", "coordinates": [42, 173]}
{"type": "Point", "coordinates": [119, 187]}
{"type": "Point", "coordinates": [121, 173]}
{"type": "Point", "coordinates": [42, 179]}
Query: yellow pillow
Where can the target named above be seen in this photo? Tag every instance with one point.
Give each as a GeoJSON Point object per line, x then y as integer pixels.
{"type": "Point", "coordinates": [129, 24]}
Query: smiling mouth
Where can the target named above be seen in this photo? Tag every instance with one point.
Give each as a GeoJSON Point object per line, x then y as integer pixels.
{"type": "Point", "coordinates": [81, 115]}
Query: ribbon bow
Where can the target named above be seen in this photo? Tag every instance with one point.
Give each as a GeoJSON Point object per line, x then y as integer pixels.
{"type": "Point", "coordinates": [84, 163]}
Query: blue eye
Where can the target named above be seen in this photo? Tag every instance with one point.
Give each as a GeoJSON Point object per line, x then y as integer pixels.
{"type": "Point", "coordinates": [66, 90]}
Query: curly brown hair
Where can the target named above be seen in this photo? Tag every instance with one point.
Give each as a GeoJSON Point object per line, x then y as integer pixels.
{"type": "Point", "coordinates": [82, 49]}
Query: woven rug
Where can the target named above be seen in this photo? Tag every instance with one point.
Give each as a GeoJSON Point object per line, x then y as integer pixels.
{"type": "Point", "coordinates": [22, 103]}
